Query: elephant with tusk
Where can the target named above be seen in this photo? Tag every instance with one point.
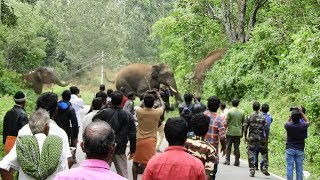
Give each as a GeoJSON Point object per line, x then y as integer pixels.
{"type": "Point", "coordinates": [40, 76]}
{"type": "Point", "coordinates": [142, 77]}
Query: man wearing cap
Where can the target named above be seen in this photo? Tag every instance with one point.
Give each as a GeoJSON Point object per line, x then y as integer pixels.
{"type": "Point", "coordinates": [14, 120]}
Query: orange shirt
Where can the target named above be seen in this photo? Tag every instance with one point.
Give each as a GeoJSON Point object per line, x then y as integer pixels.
{"type": "Point", "coordinates": [148, 119]}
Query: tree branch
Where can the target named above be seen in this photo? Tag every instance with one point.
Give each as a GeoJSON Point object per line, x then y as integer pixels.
{"type": "Point", "coordinates": [253, 17]}
{"type": "Point", "coordinates": [214, 13]}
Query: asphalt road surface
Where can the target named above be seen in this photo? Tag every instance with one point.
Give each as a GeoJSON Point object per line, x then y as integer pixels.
{"type": "Point", "coordinates": [224, 172]}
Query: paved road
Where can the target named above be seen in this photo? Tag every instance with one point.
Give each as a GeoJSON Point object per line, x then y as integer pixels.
{"type": "Point", "coordinates": [224, 172]}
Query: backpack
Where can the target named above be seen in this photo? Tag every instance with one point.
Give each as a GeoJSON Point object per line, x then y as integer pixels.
{"type": "Point", "coordinates": [186, 113]}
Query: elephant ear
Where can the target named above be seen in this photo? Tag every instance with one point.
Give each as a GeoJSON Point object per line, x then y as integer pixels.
{"type": "Point", "coordinates": [156, 70]}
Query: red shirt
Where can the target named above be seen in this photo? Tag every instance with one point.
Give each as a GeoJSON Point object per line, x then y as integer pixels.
{"type": "Point", "coordinates": [174, 163]}
{"type": "Point", "coordinates": [124, 100]}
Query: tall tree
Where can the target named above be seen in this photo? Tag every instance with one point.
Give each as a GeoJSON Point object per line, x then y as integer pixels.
{"type": "Point", "coordinates": [233, 15]}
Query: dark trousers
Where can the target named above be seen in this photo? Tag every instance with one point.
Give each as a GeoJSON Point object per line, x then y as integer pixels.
{"type": "Point", "coordinates": [215, 170]}
{"type": "Point", "coordinates": [235, 140]}
{"type": "Point", "coordinates": [263, 149]}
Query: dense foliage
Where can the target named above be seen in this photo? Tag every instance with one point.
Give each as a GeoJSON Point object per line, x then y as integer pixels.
{"type": "Point", "coordinates": [279, 65]}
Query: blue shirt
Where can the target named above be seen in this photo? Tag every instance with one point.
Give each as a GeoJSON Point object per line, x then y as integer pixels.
{"type": "Point", "coordinates": [296, 135]}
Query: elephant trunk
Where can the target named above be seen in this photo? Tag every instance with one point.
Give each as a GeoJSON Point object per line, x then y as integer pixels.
{"type": "Point", "coordinates": [57, 81]}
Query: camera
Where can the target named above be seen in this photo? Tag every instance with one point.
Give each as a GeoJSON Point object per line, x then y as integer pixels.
{"type": "Point", "coordinates": [294, 108]}
{"type": "Point", "coordinates": [154, 92]}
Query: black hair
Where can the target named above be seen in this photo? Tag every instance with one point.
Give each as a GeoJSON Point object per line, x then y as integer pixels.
{"type": "Point", "coordinates": [265, 108]}
{"type": "Point", "coordinates": [48, 101]}
{"type": "Point", "coordinates": [109, 91]}
{"type": "Point", "coordinates": [148, 100]}
{"type": "Point", "coordinates": [74, 90]}
{"type": "Point", "coordinates": [131, 94]}
{"type": "Point", "coordinates": [200, 124]}
{"type": "Point", "coordinates": [96, 103]}
{"type": "Point", "coordinates": [188, 97]}
{"type": "Point", "coordinates": [66, 95]}
{"type": "Point", "coordinates": [175, 130]}
{"type": "Point", "coordinates": [116, 98]}
{"type": "Point", "coordinates": [235, 102]}
{"type": "Point", "coordinates": [213, 103]}
{"type": "Point", "coordinates": [19, 97]}
{"type": "Point", "coordinates": [122, 89]}
{"type": "Point", "coordinates": [102, 87]}
{"type": "Point", "coordinates": [222, 105]}
{"type": "Point", "coordinates": [98, 143]}
{"type": "Point", "coordinates": [103, 96]}
{"type": "Point", "coordinates": [256, 106]}
{"type": "Point", "coordinates": [296, 116]}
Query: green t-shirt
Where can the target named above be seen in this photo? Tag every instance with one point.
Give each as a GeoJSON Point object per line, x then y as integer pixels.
{"type": "Point", "coordinates": [235, 119]}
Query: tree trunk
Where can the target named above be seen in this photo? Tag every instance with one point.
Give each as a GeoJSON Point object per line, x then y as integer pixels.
{"type": "Point", "coordinates": [242, 5]}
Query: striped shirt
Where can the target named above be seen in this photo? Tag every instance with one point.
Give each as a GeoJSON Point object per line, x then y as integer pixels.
{"type": "Point", "coordinates": [216, 130]}
{"type": "Point", "coordinates": [201, 149]}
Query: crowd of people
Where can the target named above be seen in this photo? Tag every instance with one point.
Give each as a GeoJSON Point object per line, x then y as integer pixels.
{"type": "Point", "coordinates": [43, 146]}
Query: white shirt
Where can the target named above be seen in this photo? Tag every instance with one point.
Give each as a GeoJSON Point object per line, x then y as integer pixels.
{"type": "Point", "coordinates": [88, 119]}
{"type": "Point", "coordinates": [11, 159]}
{"type": "Point", "coordinates": [77, 104]}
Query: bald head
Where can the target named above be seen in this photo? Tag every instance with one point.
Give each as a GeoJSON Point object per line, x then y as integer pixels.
{"type": "Point", "coordinates": [98, 140]}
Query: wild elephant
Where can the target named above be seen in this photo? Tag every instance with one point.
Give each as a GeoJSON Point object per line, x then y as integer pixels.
{"type": "Point", "coordinates": [40, 76]}
{"type": "Point", "coordinates": [203, 66]}
{"type": "Point", "coordinates": [142, 77]}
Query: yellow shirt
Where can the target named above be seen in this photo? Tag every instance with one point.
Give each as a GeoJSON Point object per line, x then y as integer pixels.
{"type": "Point", "coordinates": [148, 119]}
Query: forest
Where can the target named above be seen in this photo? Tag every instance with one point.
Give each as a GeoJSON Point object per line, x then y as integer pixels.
{"type": "Point", "coordinates": [272, 51]}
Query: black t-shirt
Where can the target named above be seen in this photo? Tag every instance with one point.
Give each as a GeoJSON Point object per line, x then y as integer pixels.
{"type": "Point", "coordinates": [296, 135]}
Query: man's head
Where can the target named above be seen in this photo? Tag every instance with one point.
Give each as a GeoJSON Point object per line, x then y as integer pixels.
{"type": "Point", "coordinates": [102, 87]}
{"type": "Point", "coordinates": [96, 103]}
{"type": "Point", "coordinates": [256, 106]}
{"type": "Point", "coordinates": [122, 89]}
{"type": "Point", "coordinates": [116, 98]}
{"type": "Point", "coordinates": [20, 98]}
{"type": "Point", "coordinates": [66, 95]}
{"type": "Point", "coordinates": [222, 105]}
{"type": "Point", "coordinates": [296, 115]}
{"type": "Point", "coordinates": [39, 122]}
{"type": "Point", "coordinates": [265, 108]}
{"type": "Point", "coordinates": [213, 103]}
{"type": "Point", "coordinates": [109, 91]}
{"type": "Point", "coordinates": [148, 100]}
{"type": "Point", "coordinates": [176, 130]}
{"type": "Point", "coordinates": [188, 97]}
{"type": "Point", "coordinates": [131, 95]}
{"type": "Point", "coordinates": [103, 96]}
{"type": "Point", "coordinates": [98, 140]}
{"type": "Point", "coordinates": [200, 124]}
{"type": "Point", "coordinates": [48, 101]}
{"type": "Point", "coordinates": [74, 90]}
{"type": "Point", "coordinates": [235, 102]}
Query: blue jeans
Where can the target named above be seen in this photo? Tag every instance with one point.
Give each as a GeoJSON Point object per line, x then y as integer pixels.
{"type": "Point", "coordinates": [294, 158]}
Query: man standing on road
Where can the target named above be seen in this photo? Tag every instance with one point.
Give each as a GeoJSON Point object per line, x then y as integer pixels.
{"type": "Point", "coordinates": [148, 121]}
{"type": "Point", "coordinates": [265, 110]}
{"type": "Point", "coordinates": [199, 147]}
{"type": "Point", "coordinates": [255, 124]}
{"type": "Point", "coordinates": [216, 130]}
{"type": "Point", "coordinates": [122, 122]}
{"type": "Point", "coordinates": [296, 131]}
{"type": "Point", "coordinates": [13, 121]}
{"type": "Point", "coordinates": [99, 145]}
{"type": "Point", "coordinates": [235, 119]}
{"type": "Point", "coordinates": [175, 162]}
